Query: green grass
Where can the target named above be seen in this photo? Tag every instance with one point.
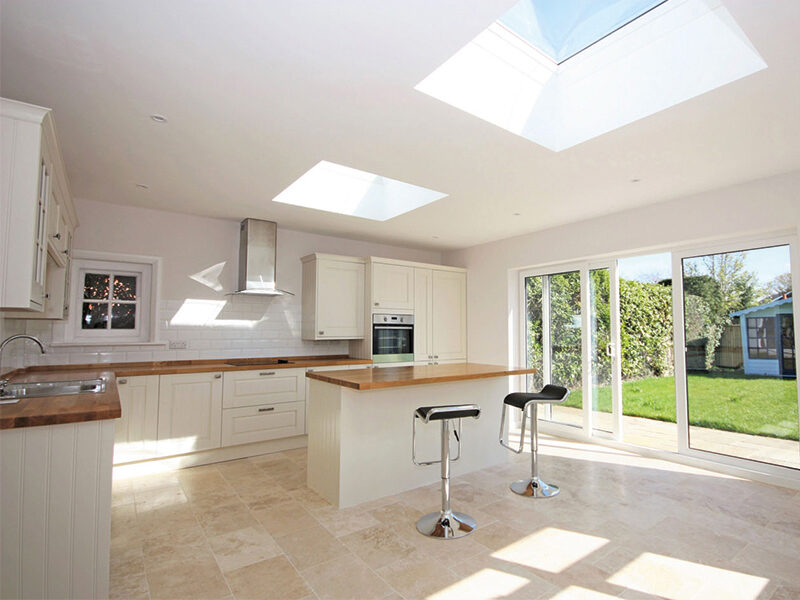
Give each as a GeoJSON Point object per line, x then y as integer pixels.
{"type": "Point", "coordinates": [733, 402]}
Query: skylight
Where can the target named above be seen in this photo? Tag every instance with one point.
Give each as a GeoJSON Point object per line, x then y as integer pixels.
{"type": "Point", "coordinates": [562, 29]}
{"type": "Point", "coordinates": [671, 52]}
{"type": "Point", "coordinates": [339, 189]}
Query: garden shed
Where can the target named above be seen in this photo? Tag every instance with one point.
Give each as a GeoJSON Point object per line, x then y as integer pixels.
{"type": "Point", "coordinates": [768, 338]}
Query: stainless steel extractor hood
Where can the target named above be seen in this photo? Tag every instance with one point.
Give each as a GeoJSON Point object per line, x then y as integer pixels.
{"type": "Point", "coordinates": [257, 245]}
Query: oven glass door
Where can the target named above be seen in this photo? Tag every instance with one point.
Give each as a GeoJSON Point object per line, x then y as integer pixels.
{"type": "Point", "coordinates": [393, 343]}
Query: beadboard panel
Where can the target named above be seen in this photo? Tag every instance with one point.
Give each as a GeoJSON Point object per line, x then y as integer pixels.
{"type": "Point", "coordinates": [56, 510]}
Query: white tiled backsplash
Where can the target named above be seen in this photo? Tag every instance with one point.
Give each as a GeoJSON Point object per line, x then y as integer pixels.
{"type": "Point", "coordinates": [247, 326]}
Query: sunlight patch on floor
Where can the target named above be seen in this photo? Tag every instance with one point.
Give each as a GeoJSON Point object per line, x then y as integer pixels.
{"type": "Point", "coordinates": [677, 579]}
{"type": "Point", "coordinates": [486, 583]}
{"type": "Point", "coordinates": [551, 549]}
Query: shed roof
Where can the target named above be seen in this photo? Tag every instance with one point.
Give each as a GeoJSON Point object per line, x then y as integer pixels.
{"type": "Point", "coordinates": [753, 309]}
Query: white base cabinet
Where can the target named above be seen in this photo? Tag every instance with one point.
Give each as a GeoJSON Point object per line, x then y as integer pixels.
{"type": "Point", "coordinates": [189, 412]}
{"type": "Point", "coordinates": [263, 386]}
{"type": "Point", "coordinates": [55, 510]}
{"type": "Point", "coordinates": [136, 432]}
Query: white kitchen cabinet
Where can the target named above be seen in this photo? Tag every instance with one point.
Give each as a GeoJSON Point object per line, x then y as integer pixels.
{"type": "Point", "coordinates": [263, 386]}
{"type": "Point", "coordinates": [189, 412]}
{"type": "Point", "coordinates": [392, 286]}
{"type": "Point", "coordinates": [261, 423]}
{"type": "Point", "coordinates": [440, 315]}
{"type": "Point", "coordinates": [35, 198]}
{"type": "Point", "coordinates": [136, 432]}
{"type": "Point", "coordinates": [333, 297]}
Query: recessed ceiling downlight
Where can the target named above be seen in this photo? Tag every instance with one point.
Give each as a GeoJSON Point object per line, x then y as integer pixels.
{"type": "Point", "coordinates": [142, 186]}
{"type": "Point", "coordinates": [158, 118]}
{"type": "Point", "coordinates": [347, 191]}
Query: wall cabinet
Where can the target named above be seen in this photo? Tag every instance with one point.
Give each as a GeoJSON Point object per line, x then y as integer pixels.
{"type": "Point", "coordinates": [136, 432]}
{"type": "Point", "coordinates": [333, 297]}
{"type": "Point", "coordinates": [392, 286]}
{"type": "Point", "coordinates": [36, 199]}
{"type": "Point", "coordinates": [189, 412]}
{"type": "Point", "coordinates": [440, 315]}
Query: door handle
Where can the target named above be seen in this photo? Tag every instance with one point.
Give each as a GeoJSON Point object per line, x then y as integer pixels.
{"type": "Point", "coordinates": [122, 381]}
{"type": "Point", "coordinates": [267, 373]}
{"type": "Point", "coordinates": [218, 376]}
{"type": "Point", "coordinates": [266, 409]}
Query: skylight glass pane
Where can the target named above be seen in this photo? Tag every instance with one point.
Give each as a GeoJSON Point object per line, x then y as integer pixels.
{"type": "Point", "coordinates": [562, 28]}
{"type": "Point", "coordinates": [336, 188]}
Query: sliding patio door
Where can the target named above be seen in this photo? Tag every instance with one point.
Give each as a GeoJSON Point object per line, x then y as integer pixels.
{"type": "Point", "coordinates": [739, 379]}
{"type": "Point", "coordinates": [565, 313]}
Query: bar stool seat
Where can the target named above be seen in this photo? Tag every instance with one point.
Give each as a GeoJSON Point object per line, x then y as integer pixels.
{"type": "Point", "coordinates": [444, 524]}
{"type": "Point", "coordinates": [528, 403]}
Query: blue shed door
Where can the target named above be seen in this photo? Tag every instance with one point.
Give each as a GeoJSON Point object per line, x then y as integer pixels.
{"type": "Point", "coordinates": [788, 364]}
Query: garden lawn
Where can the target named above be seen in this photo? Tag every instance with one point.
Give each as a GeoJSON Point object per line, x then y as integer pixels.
{"type": "Point", "coordinates": [743, 403]}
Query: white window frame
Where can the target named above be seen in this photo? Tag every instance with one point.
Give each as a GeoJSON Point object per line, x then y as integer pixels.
{"type": "Point", "coordinates": [147, 269]}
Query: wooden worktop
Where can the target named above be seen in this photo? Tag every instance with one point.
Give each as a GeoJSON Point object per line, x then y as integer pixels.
{"type": "Point", "coordinates": [388, 377]}
{"type": "Point", "coordinates": [54, 410]}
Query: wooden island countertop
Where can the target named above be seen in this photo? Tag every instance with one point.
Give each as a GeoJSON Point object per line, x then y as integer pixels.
{"type": "Point", "coordinates": [390, 377]}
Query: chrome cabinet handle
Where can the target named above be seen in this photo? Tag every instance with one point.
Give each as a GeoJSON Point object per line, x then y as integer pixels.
{"type": "Point", "coordinates": [435, 356]}
{"type": "Point", "coordinates": [267, 373]}
{"type": "Point", "coordinates": [321, 333]}
{"type": "Point", "coordinates": [218, 376]}
{"type": "Point", "coordinates": [57, 236]}
{"type": "Point", "coordinates": [266, 409]}
{"type": "Point", "coordinates": [122, 381]}
{"type": "Point", "coordinates": [377, 304]}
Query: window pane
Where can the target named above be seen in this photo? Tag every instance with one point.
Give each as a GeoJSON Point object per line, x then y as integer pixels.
{"type": "Point", "coordinates": [123, 316]}
{"type": "Point", "coordinates": [566, 361]}
{"type": "Point", "coordinates": [533, 333]}
{"type": "Point", "coordinates": [125, 287]}
{"type": "Point", "coordinates": [95, 286]}
{"type": "Point", "coordinates": [742, 396]}
{"type": "Point", "coordinates": [95, 315]}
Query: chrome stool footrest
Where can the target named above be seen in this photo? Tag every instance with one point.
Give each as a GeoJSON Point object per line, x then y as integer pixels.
{"type": "Point", "coordinates": [447, 525]}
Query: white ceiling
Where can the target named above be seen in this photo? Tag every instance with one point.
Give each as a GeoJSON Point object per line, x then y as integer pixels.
{"type": "Point", "coordinates": [257, 93]}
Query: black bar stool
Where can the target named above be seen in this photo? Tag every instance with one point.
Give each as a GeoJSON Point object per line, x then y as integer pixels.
{"type": "Point", "coordinates": [550, 394]}
{"type": "Point", "coordinates": [444, 524]}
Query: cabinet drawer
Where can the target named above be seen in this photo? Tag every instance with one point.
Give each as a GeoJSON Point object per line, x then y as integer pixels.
{"type": "Point", "coordinates": [261, 423]}
{"type": "Point", "coordinates": [263, 386]}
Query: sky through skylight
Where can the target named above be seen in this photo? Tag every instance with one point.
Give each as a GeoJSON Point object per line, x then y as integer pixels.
{"type": "Point", "coordinates": [562, 28]}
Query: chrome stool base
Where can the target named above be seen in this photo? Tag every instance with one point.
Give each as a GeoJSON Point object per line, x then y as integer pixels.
{"type": "Point", "coordinates": [446, 526]}
{"type": "Point", "coordinates": [534, 488]}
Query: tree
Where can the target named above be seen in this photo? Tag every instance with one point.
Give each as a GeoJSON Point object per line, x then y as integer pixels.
{"type": "Point", "coordinates": [782, 284]}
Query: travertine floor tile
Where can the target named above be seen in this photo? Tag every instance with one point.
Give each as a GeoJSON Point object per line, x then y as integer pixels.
{"type": "Point", "coordinates": [377, 546]}
{"type": "Point", "coordinates": [345, 578]}
{"type": "Point", "coordinates": [417, 576]}
{"type": "Point", "coordinates": [309, 547]}
{"type": "Point", "coordinates": [190, 573]}
{"type": "Point", "coordinates": [132, 586]}
{"type": "Point", "coordinates": [271, 579]}
{"type": "Point", "coordinates": [225, 517]}
{"type": "Point", "coordinates": [284, 518]}
{"type": "Point", "coordinates": [243, 547]}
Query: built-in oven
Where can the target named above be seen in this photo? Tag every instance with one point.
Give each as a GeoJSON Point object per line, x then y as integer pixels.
{"type": "Point", "coordinates": [392, 338]}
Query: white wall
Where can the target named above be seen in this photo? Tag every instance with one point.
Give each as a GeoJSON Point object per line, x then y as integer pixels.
{"type": "Point", "coordinates": [188, 245]}
{"type": "Point", "coordinates": [753, 208]}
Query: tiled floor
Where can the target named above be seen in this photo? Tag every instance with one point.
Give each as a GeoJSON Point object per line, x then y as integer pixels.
{"type": "Point", "coordinates": [623, 526]}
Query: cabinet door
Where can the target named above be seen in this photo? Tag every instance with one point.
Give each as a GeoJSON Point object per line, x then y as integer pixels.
{"type": "Point", "coordinates": [189, 412]}
{"type": "Point", "coordinates": [136, 432]}
{"type": "Point", "coordinates": [340, 299]}
{"type": "Point", "coordinates": [449, 315]}
{"type": "Point", "coordinates": [392, 286]}
{"type": "Point", "coordinates": [261, 423]}
{"type": "Point", "coordinates": [423, 296]}
{"type": "Point", "coordinates": [262, 386]}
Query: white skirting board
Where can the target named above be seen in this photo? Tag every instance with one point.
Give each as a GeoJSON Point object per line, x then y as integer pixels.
{"type": "Point", "coordinates": [359, 442]}
{"type": "Point", "coordinates": [55, 510]}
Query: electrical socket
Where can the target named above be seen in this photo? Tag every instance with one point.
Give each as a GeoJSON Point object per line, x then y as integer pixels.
{"type": "Point", "coordinates": [177, 345]}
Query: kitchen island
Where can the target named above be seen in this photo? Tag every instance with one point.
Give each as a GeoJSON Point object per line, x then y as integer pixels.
{"type": "Point", "coordinates": [359, 426]}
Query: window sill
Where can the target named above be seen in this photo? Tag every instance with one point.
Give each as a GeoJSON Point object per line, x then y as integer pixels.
{"type": "Point", "coordinates": [77, 344]}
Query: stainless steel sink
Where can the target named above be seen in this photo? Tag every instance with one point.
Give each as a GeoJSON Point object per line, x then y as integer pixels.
{"type": "Point", "coordinates": [14, 392]}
